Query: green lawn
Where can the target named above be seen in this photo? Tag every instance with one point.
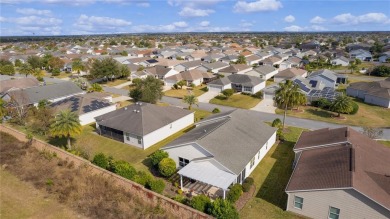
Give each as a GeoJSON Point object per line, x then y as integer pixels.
{"type": "Point", "coordinates": [271, 177]}
{"type": "Point", "coordinates": [180, 93]}
{"type": "Point", "coordinates": [385, 143]}
{"type": "Point", "coordinates": [368, 115]}
{"type": "Point", "coordinates": [114, 83]}
{"type": "Point", "coordinates": [237, 100]}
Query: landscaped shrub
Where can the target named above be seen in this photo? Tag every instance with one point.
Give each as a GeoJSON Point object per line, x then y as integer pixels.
{"type": "Point", "coordinates": [56, 72]}
{"type": "Point", "coordinates": [205, 89]}
{"type": "Point", "coordinates": [167, 167]}
{"type": "Point", "coordinates": [249, 180]}
{"type": "Point", "coordinates": [175, 86]}
{"type": "Point", "coordinates": [322, 103]}
{"type": "Point", "coordinates": [124, 169]}
{"type": "Point", "coordinates": [355, 108]}
{"type": "Point", "coordinates": [246, 187]}
{"type": "Point", "coordinates": [200, 202]}
{"type": "Point", "coordinates": [143, 178]}
{"type": "Point", "coordinates": [228, 92]}
{"type": "Point", "coordinates": [277, 123]}
{"type": "Point", "coordinates": [156, 185]}
{"type": "Point", "coordinates": [258, 95]}
{"type": "Point", "coordinates": [234, 193]}
{"type": "Point", "coordinates": [216, 110]}
{"type": "Point", "coordinates": [101, 160]}
{"type": "Point", "coordinates": [157, 156]}
{"type": "Point", "coordinates": [222, 209]}
{"type": "Point", "coordinates": [181, 199]}
{"type": "Point", "coordinates": [246, 93]}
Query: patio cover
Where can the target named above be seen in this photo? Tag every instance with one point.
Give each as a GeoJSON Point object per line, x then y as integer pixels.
{"type": "Point", "coordinates": [209, 173]}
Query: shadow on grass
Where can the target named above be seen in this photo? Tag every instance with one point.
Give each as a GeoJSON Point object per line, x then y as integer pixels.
{"type": "Point", "coordinates": [273, 188]}
{"type": "Point", "coordinates": [320, 113]}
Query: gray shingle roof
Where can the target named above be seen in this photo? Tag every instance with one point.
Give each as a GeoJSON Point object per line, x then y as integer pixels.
{"type": "Point", "coordinates": [233, 138]}
{"type": "Point", "coordinates": [244, 80]}
{"type": "Point", "coordinates": [81, 104]}
{"type": "Point", "coordinates": [265, 69]}
{"type": "Point", "coordinates": [325, 74]}
{"type": "Point", "coordinates": [141, 119]}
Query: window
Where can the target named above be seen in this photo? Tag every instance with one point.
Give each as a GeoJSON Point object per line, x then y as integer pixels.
{"type": "Point", "coordinates": [127, 137]}
{"type": "Point", "coordinates": [258, 155]}
{"type": "Point", "coordinates": [139, 140]}
{"type": "Point", "coordinates": [183, 162]}
{"type": "Point", "coordinates": [252, 162]}
{"type": "Point", "coordinates": [334, 213]}
{"type": "Point", "coordinates": [248, 89]}
{"type": "Point", "coordinates": [298, 202]}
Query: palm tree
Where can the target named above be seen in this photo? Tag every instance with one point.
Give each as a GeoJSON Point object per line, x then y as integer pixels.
{"type": "Point", "coordinates": [288, 96]}
{"type": "Point", "coordinates": [66, 124]}
{"type": "Point", "coordinates": [342, 104]}
{"type": "Point", "coordinates": [190, 100]}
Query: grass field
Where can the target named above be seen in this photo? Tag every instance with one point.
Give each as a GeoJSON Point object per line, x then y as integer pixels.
{"type": "Point", "coordinates": [20, 199]}
{"type": "Point", "coordinates": [114, 83]}
{"type": "Point", "coordinates": [180, 93]}
{"type": "Point", "coordinates": [237, 100]}
{"type": "Point", "coordinates": [271, 177]}
{"type": "Point", "coordinates": [368, 115]}
{"type": "Point", "coordinates": [385, 143]}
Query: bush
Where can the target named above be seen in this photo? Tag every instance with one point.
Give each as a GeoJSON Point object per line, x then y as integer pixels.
{"type": "Point", "coordinates": [101, 160]}
{"type": "Point", "coordinates": [322, 103]}
{"type": "Point", "coordinates": [228, 92]}
{"type": "Point", "coordinates": [246, 187]}
{"type": "Point", "coordinates": [167, 167]}
{"type": "Point", "coordinates": [381, 71]}
{"type": "Point", "coordinates": [355, 108]}
{"type": "Point", "coordinates": [124, 169]}
{"type": "Point", "coordinates": [246, 93]}
{"type": "Point", "coordinates": [143, 178]}
{"type": "Point", "coordinates": [180, 198]}
{"type": "Point", "coordinates": [277, 123]}
{"type": "Point", "coordinates": [156, 185]}
{"type": "Point", "coordinates": [222, 209]}
{"type": "Point", "coordinates": [234, 193]}
{"type": "Point", "coordinates": [55, 72]}
{"type": "Point", "coordinates": [249, 180]}
{"type": "Point", "coordinates": [205, 89]}
{"type": "Point", "coordinates": [216, 110]}
{"type": "Point", "coordinates": [200, 203]}
{"type": "Point", "coordinates": [258, 95]}
{"type": "Point", "coordinates": [175, 86]}
{"type": "Point", "coordinates": [157, 156]}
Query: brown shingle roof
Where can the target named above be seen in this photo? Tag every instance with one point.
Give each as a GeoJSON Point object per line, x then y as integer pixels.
{"type": "Point", "coordinates": [19, 83]}
{"type": "Point", "coordinates": [320, 137]}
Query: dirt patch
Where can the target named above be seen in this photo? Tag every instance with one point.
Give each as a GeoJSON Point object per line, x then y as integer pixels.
{"type": "Point", "coordinates": [90, 195]}
{"type": "Point", "coordinates": [245, 197]}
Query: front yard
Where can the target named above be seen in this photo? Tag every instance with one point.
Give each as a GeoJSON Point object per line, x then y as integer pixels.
{"type": "Point", "coordinates": [237, 100]}
{"type": "Point", "coordinates": [180, 93]}
{"type": "Point", "coordinates": [368, 115]}
{"type": "Point", "coordinates": [271, 177]}
{"type": "Point", "coordinates": [114, 83]}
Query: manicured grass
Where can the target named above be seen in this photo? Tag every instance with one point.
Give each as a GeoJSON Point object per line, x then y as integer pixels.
{"type": "Point", "coordinates": [114, 83]}
{"type": "Point", "coordinates": [180, 93]}
{"type": "Point", "coordinates": [62, 75]}
{"type": "Point", "coordinates": [269, 82]}
{"type": "Point", "coordinates": [237, 100]}
{"type": "Point", "coordinates": [385, 143]}
{"type": "Point", "coordinates": [15, 193]}
{"type": "Point", "coordinates": [368, 115]}
{"type": "Point", "coordinates": [271, 177]}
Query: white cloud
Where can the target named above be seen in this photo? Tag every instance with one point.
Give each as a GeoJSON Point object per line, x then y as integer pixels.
{"type": "Point", "coordinates": [317, 20]}
{"type": "Point", "coordinates": [246, 24]}
{"type": "Point", "coordinates": [96, 24]}
{"type": "Point", "coordinates": [180, 24]}
{"type": "Point", "coordinates": [289, 19]}
{"type": "Point", "coordinates": [345, 19]}
{"type": "Point", "coordinates": [348, 18]}
{"type": "Point", "coordinates": [317, 28]}
{"type": "Point", "coordinates": [294, 28]}
{"type": "Point", "coordinates": [143, 4]}
{"type": "Point", "coordinates": [35, 21]}
{"type": "Point", "coordinates": [193, 3]}
{"type": "Point", "coordinates": [204, 23]}
{"type": "Point", "coordinates": [191, 12]}
{"type": "Point", "coordinates": [151, 28]}
{"type": "Point", "coordinates": [32, 11]}
{"type": "Point", "coordinates": [260, 5]}
{"type": "Point", "coordinates": [2, 19]}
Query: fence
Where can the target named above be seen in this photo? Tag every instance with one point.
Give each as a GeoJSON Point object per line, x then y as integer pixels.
{"type": "Point", "coordinates": [154, 199]}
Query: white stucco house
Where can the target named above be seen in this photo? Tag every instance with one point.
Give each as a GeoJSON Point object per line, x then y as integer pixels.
{"type": "Point", "coordinates": [223, 149]}
{"type": "Point", "coordinates": [340, 61]}
{"type": "Point", "coordinates": [142, 124]}
{"type": "Point", "coordinates": [238, 82]}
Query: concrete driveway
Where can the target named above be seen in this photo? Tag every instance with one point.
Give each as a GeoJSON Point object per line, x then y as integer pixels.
{"type": "Point", "coordinates": [266, 106]}
{"type": "Point", "coordinates": [206, 97]}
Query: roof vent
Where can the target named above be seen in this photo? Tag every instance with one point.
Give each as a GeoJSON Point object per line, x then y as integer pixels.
{"type": "Point", "coordinates": [125, 108]}
{"type": "Point", "coordinates": [204, 130]}
{"type": "Point", "coordinates": [135, 110]}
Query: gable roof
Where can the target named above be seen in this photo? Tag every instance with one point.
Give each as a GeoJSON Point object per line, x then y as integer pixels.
{"type": "Point", "coordinates": [233, 138]}
{"type": "Point", "coordinates": [265, 69]}
{"type": "Point", "coordinates": [290, 73]}
{"type": "Point", "coordinates": [18, 83]}
{"type": "Point", "coordinates": [234, 68]}
{"type": "Point", "coordinates": [191, 64]}
{"type": "Point", "coordinates": [375, 88]}
{"type": "Point", "coordinates": [325, 74]}
{"type": "Point", "coordinates": [141, 118]}
{"type": "Point", "coordinates": [350, 160]}
{"type": "Point", "coordinates": [81, 104]}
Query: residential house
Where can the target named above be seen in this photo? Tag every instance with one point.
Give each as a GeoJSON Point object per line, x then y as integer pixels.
{"type": "Point", "coordinates": [229, 58]}
{"type": "Point", "coordinates": [289, 73]}
{"type": "Point", "coordinates": [235, 69]}
{"type": "Point", "coordinates": [361, 54]}
{"type": "Point", "coordinates": [238, 82]}
{"type": "Point", "coordinates": [223, 149]}
{"type": "Point", "coordinates": [187, 66]}
{"type": "Point", "coordinates": [148, 63]}
{"type": "Point", "coordinates": [377, 92]}
{"type": "Point", "coordinates": [213, 67]}
{"type": "Point", "coordinates": [87, 106]}
{"type": "Point", "coordinates": [195, 77]}
{"type": "Point", "coordinates": [340, 61]}
{"type": "Point", "coordinates": [265, 72]}
{"type": "Point", "coordinates": [18, 83]}
{"type": "Point", "coordinates": [160, 72]}
{"type": "Point", "coordinates": [327, 77]}
{"type": "Point", "coordinates": [339, 173]}
{"type": "Point", "coordinates": [142, 124]}
{"type": "Point", "coordinates": [253, 59]}
{"type": "Point", "coordinates": [384, 57]}
{"type": "Point", "coordinates": [212, 58]}
{"type": "Point", "coordinates": [315, 89]}
{"type": "Point", "coordinates": [272, 61]}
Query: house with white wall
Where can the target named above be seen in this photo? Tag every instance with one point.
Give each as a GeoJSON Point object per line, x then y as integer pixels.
{"type": "Point", "coordinates": [222, 149]}
{"type": "Point", "coordinates": [142, 124]}
{"type": "Point", "coordinates": [265, 72]}
{"type": "Point", "coordinates": [237, 82]}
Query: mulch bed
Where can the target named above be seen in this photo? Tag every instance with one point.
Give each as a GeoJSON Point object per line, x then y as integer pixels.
{"type": "Point", "coordinates": [244, 198]}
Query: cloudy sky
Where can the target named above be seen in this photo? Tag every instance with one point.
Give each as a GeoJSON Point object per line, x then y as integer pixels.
{"type": "Point", "coordinates": [70, 17]}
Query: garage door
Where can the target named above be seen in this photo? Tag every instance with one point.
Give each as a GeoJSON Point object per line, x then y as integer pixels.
{"type": "Point", "coordinates": [215, 88]}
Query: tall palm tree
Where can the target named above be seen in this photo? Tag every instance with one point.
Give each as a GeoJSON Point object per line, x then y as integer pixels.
{"type": "Point", "coordinates": [342, 104]}
{"type": "Point", "coordinates": [66, 124]}
{"type": "Point", "coordinates": [190, 100]}
{"type": "Point", "coordinates": [288, 96]}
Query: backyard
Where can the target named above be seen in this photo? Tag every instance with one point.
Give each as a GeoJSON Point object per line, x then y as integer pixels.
{"type": "Point", "coordinates": [180, 93]}
{"type": "Point", "coordinates": [237, 100]}
{"type": "Point", "coordinates": [271, 177]}
{"type": "Point", "coordinates": [368, 115]}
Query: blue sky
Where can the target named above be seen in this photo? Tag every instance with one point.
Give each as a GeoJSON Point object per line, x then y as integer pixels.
{"type": "Point", "coordinates": [73, 17]}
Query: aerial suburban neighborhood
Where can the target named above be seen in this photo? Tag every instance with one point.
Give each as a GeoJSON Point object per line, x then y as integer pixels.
{"type": "Point", "coordinates": [111, 118]}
